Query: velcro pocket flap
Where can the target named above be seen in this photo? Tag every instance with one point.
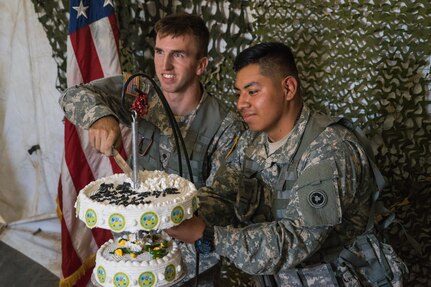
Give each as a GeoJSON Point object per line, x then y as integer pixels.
{"type": "Point", "coordinates": [318, 196]}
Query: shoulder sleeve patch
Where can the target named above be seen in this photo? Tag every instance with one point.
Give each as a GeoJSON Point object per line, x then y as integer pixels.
{"type": "Point", "coordinates": [318, 196]}
{"type": "Point", "coordinates": [133, 85]}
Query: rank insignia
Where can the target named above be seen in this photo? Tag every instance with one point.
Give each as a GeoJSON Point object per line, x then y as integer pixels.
{"type": "Point", "coordinates": [235, 142]}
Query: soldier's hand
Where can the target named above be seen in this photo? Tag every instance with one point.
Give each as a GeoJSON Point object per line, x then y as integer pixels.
{"type": "Point", "coordinates": [104, 134]}
{"type": "Point", "coordinates": [188, 231]}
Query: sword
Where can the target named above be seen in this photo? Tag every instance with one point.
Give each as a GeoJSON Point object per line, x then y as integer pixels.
{"type": "Point", "coordinates": [121, 162]}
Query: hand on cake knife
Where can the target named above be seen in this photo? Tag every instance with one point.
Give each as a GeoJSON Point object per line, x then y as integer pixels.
{"type": "Point", "coordinates": [121, 162]}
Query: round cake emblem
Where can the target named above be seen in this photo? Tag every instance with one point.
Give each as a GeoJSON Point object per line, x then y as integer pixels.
{"type": "Point", "coordinates": [170, 273]}
{"type": "Point", "coordinates": [90, 218]}
{"type": "Point", "coordinates": [147, 279]}
{"type": "Point", "coordinates": [149, 220]}
{"type": "Point", "coordinates": [116, 222]}
{"type": "Point", "coordinates": [121, 280]}
{"type": "Point", "coordinates": [101, 274]}
{"type": "Point", "coordinates": [177, 214]}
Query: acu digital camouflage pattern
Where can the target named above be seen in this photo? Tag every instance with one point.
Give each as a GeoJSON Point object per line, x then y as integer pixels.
{"type": "Point", "coordinates": [383, 254]}
{"type": "Point", "coordinates": [367, 60]}
{"type": "Point", "coordinates": [84, 104]}
{"type": "Point", "coordinates": [275, 243]}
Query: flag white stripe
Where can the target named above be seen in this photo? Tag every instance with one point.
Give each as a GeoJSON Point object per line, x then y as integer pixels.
{"type": "Point", "coordinates": [104, 41]}
{"type": "Point", "coordinates": [81, 236]}
{"type": "Point", "coordinates": [73, 72]}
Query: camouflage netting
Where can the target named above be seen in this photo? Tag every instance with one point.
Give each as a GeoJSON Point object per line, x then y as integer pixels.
{"type": "Point", "coordinates": [369, 62]}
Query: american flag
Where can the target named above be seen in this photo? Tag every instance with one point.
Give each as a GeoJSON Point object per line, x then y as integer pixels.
{"type": "Point", "coordinates": [92, 53]}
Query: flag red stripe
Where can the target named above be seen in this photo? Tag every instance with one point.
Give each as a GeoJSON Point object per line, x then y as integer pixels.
{"type": "Point", "coordinates": [76, 161]}
{"type": "Point", "coordinates": [101, 235]}
{"type": "Point", "coordinates": [71, 262]}
{"type": "Point", "coordinates": [86, 54]}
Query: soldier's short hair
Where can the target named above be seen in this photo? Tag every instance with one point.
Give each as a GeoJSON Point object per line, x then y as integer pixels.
{"type": "Point", "coordinates": [272, 58]}
{"type": "Point", "coordinates": [182, 24]}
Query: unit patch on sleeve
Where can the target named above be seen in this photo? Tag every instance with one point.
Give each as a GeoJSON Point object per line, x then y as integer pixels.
{"type": "Point", "coordinates": [318, 196]}
{"type": "Point", "coordinates": [317, 199]}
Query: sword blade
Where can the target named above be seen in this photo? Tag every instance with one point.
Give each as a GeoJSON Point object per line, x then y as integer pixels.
{"type": "Point", "coordinates": [121, 162]}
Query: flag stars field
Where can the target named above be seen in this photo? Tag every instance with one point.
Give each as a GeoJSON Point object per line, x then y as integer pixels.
{"type": "Point", "coordinates": [81, 9]}
{"type": "Point", "coordinates": [108, 2]}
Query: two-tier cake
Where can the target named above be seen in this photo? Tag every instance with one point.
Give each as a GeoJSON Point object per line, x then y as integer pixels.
{"type": "Point", "coordinates": [141, 254]}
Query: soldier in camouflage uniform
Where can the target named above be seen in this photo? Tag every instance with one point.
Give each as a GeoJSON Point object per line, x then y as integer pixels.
{"type": "Point", "coordinates": [209, 129]}
{"type": "Point", "coordinates": [297, 203]}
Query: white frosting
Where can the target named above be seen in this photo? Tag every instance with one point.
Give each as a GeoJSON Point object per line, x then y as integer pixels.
{"type": "Point", "coordinates": [160, 271]}
{"type": "Point", "coordinates": [133, 247]}
{"type": "Point", "coordinates": [157, 213]}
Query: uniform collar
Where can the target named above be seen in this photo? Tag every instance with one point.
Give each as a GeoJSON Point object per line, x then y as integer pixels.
{"type": "Point", "coordinates": [257, 150]}
{"type": "Point", "coordinates": [158, 117]}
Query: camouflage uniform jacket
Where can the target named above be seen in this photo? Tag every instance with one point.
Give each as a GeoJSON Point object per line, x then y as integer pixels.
{"type": "Point", "coordinates": [334, 163]}
{"type": "Point", "coordinates": [86, 103]}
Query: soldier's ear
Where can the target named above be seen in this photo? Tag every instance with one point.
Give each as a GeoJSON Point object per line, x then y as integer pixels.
{"type": "Point", "coordinates": [290, 86]}
{"type": "Point", "coordinates": [202, 65]}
